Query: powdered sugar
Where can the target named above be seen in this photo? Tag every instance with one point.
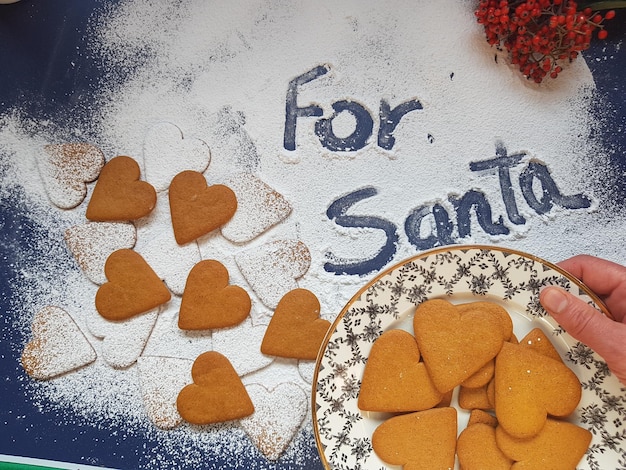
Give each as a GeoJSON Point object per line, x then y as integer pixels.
{"type": "Point", "coordinates": [220, 74]}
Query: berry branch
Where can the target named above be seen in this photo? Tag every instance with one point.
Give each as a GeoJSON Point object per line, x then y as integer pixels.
{"type": "Point", "coordinates": [540, 35]}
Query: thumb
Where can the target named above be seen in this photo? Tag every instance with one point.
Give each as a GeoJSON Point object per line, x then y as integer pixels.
{"type": "Point", "coordinates": [587, 325]}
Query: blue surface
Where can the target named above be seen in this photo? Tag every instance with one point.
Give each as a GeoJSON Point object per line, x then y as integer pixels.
{"type": "Point", "coordinates": [45, 73]}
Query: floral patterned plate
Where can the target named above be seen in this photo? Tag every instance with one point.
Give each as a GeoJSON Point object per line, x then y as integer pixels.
{"type": "Point", "coordinates": [458, 274]}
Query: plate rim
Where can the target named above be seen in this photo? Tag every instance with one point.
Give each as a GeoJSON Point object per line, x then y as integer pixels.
{"type": "Point", "coordinates": [423, 254]}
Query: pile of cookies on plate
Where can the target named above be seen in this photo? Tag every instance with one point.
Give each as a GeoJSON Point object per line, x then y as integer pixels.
{"type": "Point", "coordinates": [519, 393]}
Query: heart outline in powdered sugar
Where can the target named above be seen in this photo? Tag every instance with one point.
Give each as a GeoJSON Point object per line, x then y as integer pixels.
{"type": "Point", "coordinates": [93, 242]}
{"type": "Point", "coordinates": [155, 242]}
{"type": "Point", "coordinates": [242, 345]}
{"type": "Point", "coordinates": [66, 169]}
{"type": "Point", "coordinates": [272, 269]}
{"type": "Point", "coordinates": [122, 341]}
{"type": "Point", "coordinates": [166, 152]}
{"type": "Point", "coordinates": [120, 194]}
{"type": "Point", "coordinates": [260, 207]}
{"type": "Point", "coordinates": [278, 415]}
{"type": "Point", "coordinates": [58, 346]}
{"type": "Point", "coordinates": [160, 380]}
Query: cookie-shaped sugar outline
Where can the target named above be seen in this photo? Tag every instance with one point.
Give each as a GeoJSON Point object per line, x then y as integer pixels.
{"type": "Point", "coordinates": [241, 344]}
{"type": "Point", "coordinates": [65, 170]}
{"type": "Point", "coordinates": [119, 194]}
{"type": "Point", "coordinates": [93, 242]}
{"type": "Point", "coordinates": [167, 152]}
{"type": "Point", "coordinates": [124, 341]}
{"type": "Point", "coordinates": [58, 345]}
{"type": "Point", "coordinates": [160, 381]}
{"type": "Point", "coordinates": [260, 207]}
{"type": "Point", "coordinates": [273, 269]}
{"type": "Point", "coordinates": [278, 415]}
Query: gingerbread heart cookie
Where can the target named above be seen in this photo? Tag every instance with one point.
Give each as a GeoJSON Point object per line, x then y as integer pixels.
{"type": "Point", "coordinates": [477, 449]}
{"type": "Point", "coordinates": [530, 386]}
{"type": "Point", "coordinates": [65, 170]}
{"type": "Point", "coordinates": [455, 343]}
{"type": "Point", "coordinates": [132, 287]}
{"type": "Point", "coordinates": [418, 441]}
{"type": "Point", "coordinates": [197, 208]}
{"type": "Point", "coordinates": [296, 329]}
{"type": "Point", "coordinates": [272, 428]}
{"type": "Point", "coordinates": [216, 394]}
{"type": "Point", "coordinates": [93, 242]}
{"type": "Point", "coordinates": [209, 301]}
{"type": "Point", "coordinates": [272, 269]}
{"type": "Point", "coordinates": [559, 445]}
{"type": "Point", "coordinates": [394, 379]}
{"type": "Point", "coordinates": [260, 207]}
{"type": "Point", "coordinates": [119, 194]}
{"type": "Point", "coordinates": [58, 345]}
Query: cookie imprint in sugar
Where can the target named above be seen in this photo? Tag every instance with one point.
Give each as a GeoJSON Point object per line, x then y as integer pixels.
{"type": "Point", "coordinates": [66, 168]}
{"type": "Point", "coordinates": [122, 341]}
{"type": "Point", "coordinates": [241, 344]}
{"type": "Point", "coordinates": [209, 301]}
{"type": "Point", "coordinates": [58, 345]}
{"type": "Point", "coordinates": [132, 288]}
{"type": "Point", "coordinates": [278, 414]}
{"type": "Point", "coordinates": [160, 380]}
{"type": "Point", "coordinates": [216, 394]}
{"type": "Point", "coordinates": [272, 269]}
{"type": "Point", "coordinates": [93, 242]}
{"type": "Point", "coordinates": [155, 242]}
{"type": "Point", "coordinates": [260, 207]}
{"type": "Point", "coordinates": [197, 208]}
{"type": "Point", "coordinates": [166, 152]}
{"type": "Point", "coordinates": [119, 194]}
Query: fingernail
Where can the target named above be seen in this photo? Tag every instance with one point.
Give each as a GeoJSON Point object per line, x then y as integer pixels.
{"type": "Point", "coordinates": [554, 300]}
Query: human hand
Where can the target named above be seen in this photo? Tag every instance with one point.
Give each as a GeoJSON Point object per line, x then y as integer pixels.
{"type": "Point", "coordinates": [605, 336]}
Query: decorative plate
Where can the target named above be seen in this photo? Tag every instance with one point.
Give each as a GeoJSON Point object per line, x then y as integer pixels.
{"type": "Point", "coordinates": [459, 274]}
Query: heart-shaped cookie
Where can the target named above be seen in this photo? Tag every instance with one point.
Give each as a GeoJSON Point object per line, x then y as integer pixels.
{"type": "Point", "coordinates": [455, 343]}
{"type": "Point", "coordinates": [166, 153]}
{"type": "Point", "coordinates": [133, 287]}
{"type": "Point", "coordinates": [160, 380]}
{"type": "Point", "coordinates": [278, 414]}
{"type": "Point", "coordinates": [156, 243]}
{"type": "Point", "coordinates": [559, 445]}
{"type": "Point", "coordinates": [58, 345]}
{"type": "Point", "coordinates": [209, 302]}
{"type": "Point", "coordinates": [217, 393]}
{"type": "Point", "coordinates": [93, 242]}
{"type": "Point", "coordinates": [242, 345]}
{"type": "Point", "coordinates": [537, 340]}
{"type": "Point", "coordinates": [65, 170]}
{"type": "Point", "coordinates": [419, 441]}
{"type": "Point", "coordinates": [296, 329]}
{"type": "Point", "coordinates": [530, 386]}
{"type": "Point", "coordinates": [394, 379]}
{"type": "Point", "coordinates": [119, 194]}
{"type": "Point", "coordinates": [273, 268]}
{"type": "Point", "coordinates": [197, 208]}
{"type": "Point", "coordinates": [477, 449]}
{"type": "Point", "coordinates": [260, 207]}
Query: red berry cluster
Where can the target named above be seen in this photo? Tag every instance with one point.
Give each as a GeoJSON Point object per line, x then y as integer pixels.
{"type": "Point", "coordinates": [538, 34]}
